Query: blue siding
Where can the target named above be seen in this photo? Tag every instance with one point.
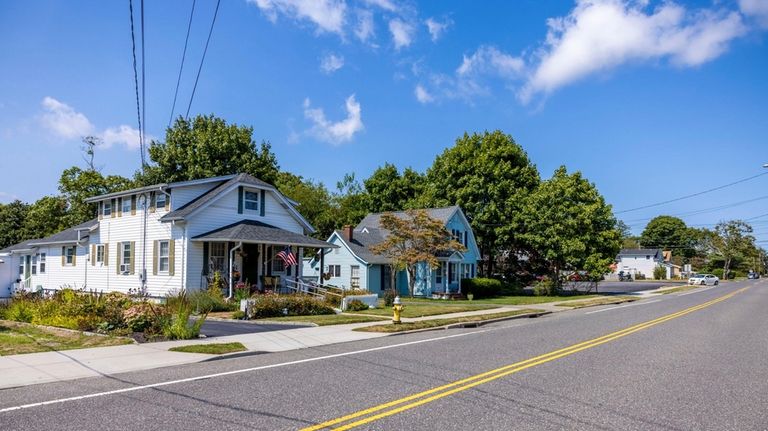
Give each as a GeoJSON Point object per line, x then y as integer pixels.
{"type": "Point", "coordinates": [374, 278]}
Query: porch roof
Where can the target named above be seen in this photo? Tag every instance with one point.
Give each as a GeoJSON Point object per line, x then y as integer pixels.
{"type": "Point", "coordinates": [252, 231]}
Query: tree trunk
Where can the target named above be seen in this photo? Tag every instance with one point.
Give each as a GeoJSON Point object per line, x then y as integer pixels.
{"type": "Point", "coordinates": [726, 268]}
{"type": "Point", "coordinates": [393, 279]}
{"type": "Point", "coordinates": [411, 280]}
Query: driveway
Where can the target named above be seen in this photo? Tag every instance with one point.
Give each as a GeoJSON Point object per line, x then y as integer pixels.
{"type": "Point", "coordinates": [220, 328]}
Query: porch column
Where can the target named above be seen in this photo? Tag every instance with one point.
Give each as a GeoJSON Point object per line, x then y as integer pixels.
{"type": "Point", "coordinates": [458, 276]}
{"type": "Point", "coordinates": [322, 264]}
{"type": "Point", "coordinates": [299, 263]}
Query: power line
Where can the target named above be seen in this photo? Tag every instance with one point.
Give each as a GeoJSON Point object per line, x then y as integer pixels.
{"type": "Point", "coordinates": [706, 210]}
{"type": "Point", "coordinates": [143, 92]}
{"type": "Point", "coordinates": [693, 195]}
{"type": "Point", "coordinates": [136, 82]}
{"type": "Point", "coordinates": [183, 56]}
{"type": "Point", "coordinates": [205, 51]}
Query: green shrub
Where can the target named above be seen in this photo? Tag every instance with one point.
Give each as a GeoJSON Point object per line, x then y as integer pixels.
{"type": "Point", "coordinates": [239, 315]}
{"type": "Point", "coordinates": [175, 323]}
{"type": "Point", "coordinates": [20, 310]}
{"type": "Point", "coordinates": [141, 317]}
{"type": "Point", "coordinates": [271, 305]}
{"type": "Point", "coordinates": [718, 272]}
{"type": "Point", "coordinates": [356, 305]}
{"type": "Point", "coordinates": [206, 301]}
{"type": "Point", "coordinates": [659, 273]}
{"type": "Point", "coordinates": [389, 297]}
{"type": "Point", "coordinates": [544, 288]}
{"type": "Point", "coordinates": [481, 287]}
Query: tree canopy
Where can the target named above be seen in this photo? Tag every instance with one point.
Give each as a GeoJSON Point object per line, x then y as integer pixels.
{"type": "Point", "coordinates": [669, 233]}
{"type": "Point", "coordinates": [388, 190]}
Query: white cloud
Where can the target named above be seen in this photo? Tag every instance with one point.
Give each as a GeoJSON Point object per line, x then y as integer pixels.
{"type": "Point", "coordinates": [757, 9]}
{"type": "Point", "coordinates": [64, 121]}
{"type": "Point", "coordinates": [387, 5]}
{"type": "Point", "coordinates": [331, 63]}
{"type": "Point", "coordinates": [364, 28]}
{"type": "Point", "coordinates": [422, 95]}
{"type": "Point", "coordinates": [489, 60]}
{"type": "Point", "coordinates": [437, 28]}
{"type": "Point", "coordinates": [599, 35]}
{"type": "Point", "coordinates": [402, 32]}
{"type": "Point", "coordinates": [327, 15]}
{"type": "Point", "coordinates": [338, 132]}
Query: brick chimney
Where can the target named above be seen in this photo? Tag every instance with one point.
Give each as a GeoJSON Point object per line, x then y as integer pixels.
{"type": "Point", "coordinates": [347, 230]}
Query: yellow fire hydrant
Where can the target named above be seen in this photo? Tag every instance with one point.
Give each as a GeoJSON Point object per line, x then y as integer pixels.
{"type": "Point", "coordinates": [398, 308]}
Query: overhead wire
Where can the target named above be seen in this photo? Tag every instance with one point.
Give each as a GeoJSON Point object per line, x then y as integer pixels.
{"type": "Point", "coordinates": [202, 60]}
{"type": "Point", "coordinates": [181, 67]}
{"type": "Point", "coordinates": [136, 83]}
{"type": "Point", "coordinates": [143, 92]}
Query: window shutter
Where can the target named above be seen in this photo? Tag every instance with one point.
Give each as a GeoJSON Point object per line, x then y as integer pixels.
{"type": "Point", "coordinates": [167, 202]}
{"type": "Point", "coordinates": [154, 257]}
{"type": "Point", "coordinates": [133, 205]}
{"type": "Point", "coordinates": [205, 257]}
{"type": "Point", "coordinates": [119, 207]}
{"type": "Point", "coordinates": [105, 261]}
{"type": "Point", "coordinates": [465, 238]}
{"type": "Point", "coordinates": [133, 257]}
{"type": "Point", "coordinates": [93, 254]}
{"type": "Point", "coordinates": [117, 257]}
{"type": "Point", "coordinates": [63, 256]}
{"type": "Point", "coordinates": [240, 200]}
{"type": "Point", "coordinates": [113, 202]}
{"type": "Point", "coordinates": [74, 255]}
{"type": "Point", "coordinates": [152, 202]}
{"type": "Point", "coordinates": [171, 256]}
{"type": "Point", "coordinates": [101, 210]}
{"type": "Point", "coordinates": [262, 203]}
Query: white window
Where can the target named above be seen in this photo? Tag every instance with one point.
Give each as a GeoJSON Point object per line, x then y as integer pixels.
{"type": "Point", "coordinates": [107, 208]}
{"type": "Point", "coordinates": [334, 270]}
{"type": "Point", "coordinates": [251, 201]}
{"type": "Point", "coordinates": [160, 199]}
{"type": "Point", "coordinates": [163, 256]}
{"type": "Point", "coordinates": [69, 255]}
{"type": "Point", "coordinates": [34, 264]}
{"type": "Point", "coordinates": [21, 266]}
{"type": "Point", "coordinates": [41, 263]}
{"type": "Point", "coordinates": [126, 205]}
{"type": "Point", "coordinates": [217, 259]}
{"type": "Point", "coordinates": [439, 273]}
{"type": "Point", "coordinates": [277, 264]}
{"type": "Point", "coordinates": [465, 270]}
{"type": "Point", "coordinates": [100, 253]}
{"type": "Point", "coordinates": [125, 257]}
{"type": "Point", "coordinates": [354, 277]}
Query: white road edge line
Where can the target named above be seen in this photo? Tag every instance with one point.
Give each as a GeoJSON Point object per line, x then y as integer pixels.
{"type": "Point", "coordinates": [623, 306]}
{"type": "Point", "coordinates": [233, 372]}
{"type": "Point", "coordinates": [697, 291]}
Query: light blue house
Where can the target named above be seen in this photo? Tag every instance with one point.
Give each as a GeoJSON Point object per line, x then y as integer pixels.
{"type": "Point", "coordinates": [354, 265]}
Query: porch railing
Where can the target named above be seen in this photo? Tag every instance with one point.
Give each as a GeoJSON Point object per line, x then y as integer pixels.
{"type": "Point", "coordinates": [309, 288]}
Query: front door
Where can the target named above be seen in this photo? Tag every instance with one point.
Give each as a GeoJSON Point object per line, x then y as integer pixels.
{"type": "Point", "coordinates": [251, 264]}
{"type": "Point", "coordinates": [386, 277]}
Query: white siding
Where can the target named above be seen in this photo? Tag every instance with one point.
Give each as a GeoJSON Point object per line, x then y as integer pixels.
{"type": "Point", "coordinates": [181, 196]}
{"type": "Point", "coordinates": [343, 256]}
{"type": "Point", "coordinates": [638, 264]}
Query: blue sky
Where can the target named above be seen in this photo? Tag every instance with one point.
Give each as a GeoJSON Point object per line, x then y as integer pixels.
{"type": "Point", "coordinates": [650, 100]}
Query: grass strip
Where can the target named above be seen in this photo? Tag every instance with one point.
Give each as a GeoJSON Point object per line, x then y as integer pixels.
{"type": "Point", "coordinates": [325, 319]}
{"type": "Point", "coordinates": [19, 338]}
{"type": "Point", "coordinates": [434, 323]}
{"type": "Point", "coordinates": [677, 289]}
{"type": "Point", "coordinates": [603, 300]}
{"type": "Point", "coordinates": [414, 309]}
{"type": "Point", "coordinates": [210, 349]}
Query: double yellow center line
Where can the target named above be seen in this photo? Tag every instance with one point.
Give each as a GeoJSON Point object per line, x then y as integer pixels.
{"type": "Point", "coordinates": [412, 401]}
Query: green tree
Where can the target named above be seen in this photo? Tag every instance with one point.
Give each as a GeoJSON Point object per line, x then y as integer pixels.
{"type": "Point", "coordinates": [569, 227]}
{"type": "Point", "coordinates": [12, 216]}
{"type": "Point", "coordinates": [207, 146]}
{"type": "Point", "coordinates": [350, 201]}
{"type": "Point", "coordinates": [388, 190]}
{"type": "Point", "coordinates": [76, 185]}
{"type": "Point", "coordinates": [732, 240]}
{"type": "Point", "coordinates": [45, 217]}
{"type": "Point", "coordinates": [490, 177]}
{"type": "Point", "coordinates": [314, 201]}
{"type": "Point", "coordinates": [414, 239]}
{"type": "Point", "coordinates": [668, 233]}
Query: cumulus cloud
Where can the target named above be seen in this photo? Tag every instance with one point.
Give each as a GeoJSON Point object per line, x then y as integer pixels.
{"type": "Point", "coordinates": [599, 35]}
{"type": "Point", "coordinates": [489, 60]}
{"type": "Point", "coordinates": [437, 28]}
{"type": "Point", "coordinates": [757, 9]}
{"type": "Point", "coordinates": [331, 63]}
{"type": "Point", "coordinates": [402, 32]}
{"type": "Point", "coordinates": [364, 29]}
{"type": "Point", "coordinates": [66, 123]}
{"type": "Point", "coordinates": [422, 95]}
{"type": "Point", "coordinates": [387, 5]}
{"type": "Point", "coordinates": [334, 133]}
{"type": "Point", "coordinates": [327, 15]}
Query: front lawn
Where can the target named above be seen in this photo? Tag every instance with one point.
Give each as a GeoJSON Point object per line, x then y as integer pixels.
{"type": "Point", "coordinates": [211, 349]}
{"type": "Point", "coordinates": [326, 319]}
{"type": "Point", "coordinates": [434, 307]}
{"type": "Point", "coordinates": [17, 338]}
{"type": "Point", "coordinates": [434, 323]}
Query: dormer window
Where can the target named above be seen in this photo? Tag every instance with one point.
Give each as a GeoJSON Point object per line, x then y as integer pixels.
{"type": "Point", "coordinates": [251, 200]}
{"type": "Point", "coordinates": [107, 208]}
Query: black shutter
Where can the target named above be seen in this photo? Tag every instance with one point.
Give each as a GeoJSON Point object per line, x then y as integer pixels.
{"type": "Point", "coordinates": [240, 200]}
{"type": "Point", "coordinates": [262, 203]}
{"type": "Point", "coordinates": [206, 253]}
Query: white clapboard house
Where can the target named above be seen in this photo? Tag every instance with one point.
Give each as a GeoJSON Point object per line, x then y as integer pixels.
{"type": "Point", "coordinates": [169, 237]}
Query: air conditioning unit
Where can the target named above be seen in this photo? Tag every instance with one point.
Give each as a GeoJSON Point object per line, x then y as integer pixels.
{"type": "Point", "coordinates": [125, 269]}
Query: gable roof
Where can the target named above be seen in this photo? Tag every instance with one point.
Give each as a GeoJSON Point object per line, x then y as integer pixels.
{"type": "Point", "coordinates": [655, 252]}
{"type": "Point", "coordinates": [159, 186]}
{"type": "Point", "coordinates": [255, 231]}
{"type": "Point", "coordinates": [361, 244]}
{"type": "Point", "coordinates": [68, 235]}
{"type": "Point", "coordinates": [24, 245]}
{"type": "Point", "coordinates": [373, 220]}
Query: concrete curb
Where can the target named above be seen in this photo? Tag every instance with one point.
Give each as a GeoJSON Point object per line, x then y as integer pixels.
{"type": "Point", "coordinates": [233, 355]}
{"type": "Point", "coordinates": [472, 324]}
{"type": "Point", "coordinates": [263, 322]}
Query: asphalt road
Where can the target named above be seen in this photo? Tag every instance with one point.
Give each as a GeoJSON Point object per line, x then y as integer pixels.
{"type": "Point", "coordinates": [631, 286]}
{"type": "Point", "coordinates": [218, 328]}
{"type": "Point", "coordinates": [695, 360]}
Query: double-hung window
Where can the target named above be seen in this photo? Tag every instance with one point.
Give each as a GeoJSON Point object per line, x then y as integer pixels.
{"type": "Point", "coordinates": [160, 200]}
{"type": "Point", "coordinates": [439, 274]}
{"type": "Point", "coordinates": [125, 257]}
{"type": "Point", "coordinates": [126, 208]}
{"type": "Point", "coordinates": [334, 270]}
{"type": "Point", "coordinates": [34, 264]}
{"type": "Point", "coordinates": [100, 253]}
{"type": "Point", "coordinates": [69, 255]}
{"type": "Point", "coordinates": [278, 265]}
{"type": "Point", "coordinates": [217, 259]}
{"type": "Point", "coordinates": [107, 208]}
{"type": "Point", "coordinates": [41, 263]}
{"type": "Point", "coordinates": [163, 256]}
{"type": "Point", "coordinates": [354, 277]}
{"type": "Point", "coordinates": [251, 200]}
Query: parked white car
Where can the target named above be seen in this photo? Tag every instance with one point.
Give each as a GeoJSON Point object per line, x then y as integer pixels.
{"type": "Point", "coordinates": [704, 279]}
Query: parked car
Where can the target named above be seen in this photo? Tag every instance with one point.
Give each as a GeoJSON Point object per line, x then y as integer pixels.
{"type": "Point", "coordinates": [704, 279]}
{"type": "Point", "coordinates": [751, 275]}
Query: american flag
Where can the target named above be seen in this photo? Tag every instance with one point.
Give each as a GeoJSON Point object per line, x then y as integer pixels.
{"type": "Point", "coordinates": [287, 256]}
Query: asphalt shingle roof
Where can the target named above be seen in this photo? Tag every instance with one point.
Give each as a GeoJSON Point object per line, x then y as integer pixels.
{"type": "Point", "coordinates": [258, 232]}
{"type": "Point", "coordinates": [374, 220]}
{"type": "Point", "coordinates": [361, 244]}
{"type": "Point", "coordinates": [68, 235]}
{"type": "Point", "coordinates": [640, 252]}
{"type": "Point", "coordinates": [190, 207]}
{"type": "Point", "coordinates": [20, 246]}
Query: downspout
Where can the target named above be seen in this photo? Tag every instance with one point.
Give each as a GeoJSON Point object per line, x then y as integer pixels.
{"type": "Point", "coordinates": [77, 244]}
{"type": "Point", "coordinates": [183, 259]}
{"type": "Point", "coordinates": [231, 258]}
{"type": "Point", "coordinates": [143, 275]}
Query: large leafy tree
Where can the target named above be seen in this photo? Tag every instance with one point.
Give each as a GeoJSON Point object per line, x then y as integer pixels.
{"type": "Point", "coordinates": [414, 239]}
{"type": "Point", "coordinates": [76, 185]}
{"type": "Point", "coordinates": [350, 201]}
{"type": "Point", "coordinates": [732, 240]}
{"type": "Point", "coordinates": [207, 146]}
{"type": "Point", "coordinates": [314, 201]}
{"type": "Point", "coordinates": [46, 216]}
{"type": "Point", "coordinates": [569, 226]}
{"type": "Point", "coordinates": [388, 190]}
{"type": "Point", "coordinates": [669, 233]}
{"type": "Point", "coordinates": [12, 216]}
{"type": "Point", "coordinates": [490, 177]}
